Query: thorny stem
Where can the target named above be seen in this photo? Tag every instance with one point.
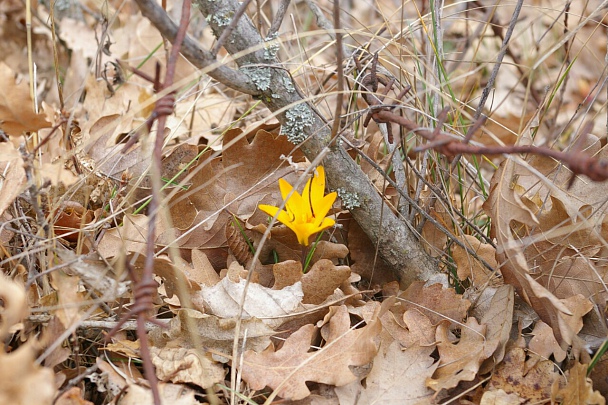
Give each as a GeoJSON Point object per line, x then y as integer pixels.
{"type": "Point", "coordinates": [145, 288]}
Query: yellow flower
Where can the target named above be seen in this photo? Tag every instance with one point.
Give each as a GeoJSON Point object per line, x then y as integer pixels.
{"type": "Point", "coordinates": [305, 214]}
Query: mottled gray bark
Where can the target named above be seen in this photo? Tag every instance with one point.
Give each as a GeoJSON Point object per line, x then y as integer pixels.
{"type": "Point", "coordinates": [397, 244]}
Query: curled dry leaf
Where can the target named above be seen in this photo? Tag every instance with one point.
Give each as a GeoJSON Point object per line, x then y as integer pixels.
{"type": "Point", "coordinates": [229, 184]}
{"type": "Point", "coordinates": [223, 300]}
{"type": "Point", "coordinates": [461, 361]}
{"type": "Point", "coordinates": [288, 369]}
{"type": "Point", "coordinates": [548, 238]}
{"type": "Point", "coordinates": [188, 366]}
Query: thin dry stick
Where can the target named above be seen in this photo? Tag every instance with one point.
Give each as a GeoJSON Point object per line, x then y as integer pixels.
{"type": "Point", "coordinates": [337, 116]}
{"type": "Point", "coordinates": [278, 18]}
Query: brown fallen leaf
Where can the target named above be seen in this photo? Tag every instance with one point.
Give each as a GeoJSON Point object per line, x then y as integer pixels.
{"type": "Point", "coordinates": [19, 371]}
{"type": "Point", "coordinates": [288, 369]}
{"type": "Point", "coordinates": [436, 302]}
{"type": "Point", "coordinates": [470, 267]}
{"type": "Point", "coordinates": [397, 377]}
{"type": "Point", "coordinates": [322, 280]}
{"type": "Point", "coordinates": [16, 106]}
{"type": "Point", "coordinates": [544, 344]}
{"type": "Point", "coordinates": [461, 361]}
{"type": "Point", "coordinates": [578, 388]}
{"type": "Point", "coordinates": [533, 384]}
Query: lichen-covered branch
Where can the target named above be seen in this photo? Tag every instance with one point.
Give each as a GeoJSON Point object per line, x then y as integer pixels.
{"type": "Point", "coordinates": [397, 244]}
{"type": "Point", "coordinates": [193, 52]}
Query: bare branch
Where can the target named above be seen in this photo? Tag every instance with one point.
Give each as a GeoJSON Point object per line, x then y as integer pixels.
{"type": "Point", "coordinates": [193, 52]}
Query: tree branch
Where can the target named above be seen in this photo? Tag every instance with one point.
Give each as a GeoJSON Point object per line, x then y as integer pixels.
{"type": "Point", "coordinates": [193, 52]}
{"type": "Point", "coordinates": [397, 244]}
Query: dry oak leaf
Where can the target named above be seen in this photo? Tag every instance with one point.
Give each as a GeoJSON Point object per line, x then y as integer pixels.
{"type": "Point", "coordinates": [322, 280]}
{"type": "Point", "coordinates": [500, 397]}
{"type": "Point", "coordinates": [436, 302]}
{"type": "Point", "coordinates": [461, 361]}
{"type": "Point", "coordinates": [543, 343]}
{"type": "Point", "coordinates": [415, 328]}
{"type": "Point", "coordinates": [244, 176]}
{"type": "Point", "coordinates": [578, 389]}
{"type": "Point", "coordinates": [181, 365]}
{"type": "Point", "coordinates": [533, 384]}
{"type": "Point", "coordinates": [192, 329]}
{"type": "Point", "coordinates": [13, 175]}
{"type": "Point", "coordinates": [174, 394]}
{"type": "Point", "coordinates": [288, 369]}
{"type": "Point", "coordinates": [498, 317]}
{"type": "Point", "coordinates": [19, 371]}
{"type": "Point", "coordinates": [470, 267]}
{"type": "Point", "coordinates": [223, 300]}
{"type": "Point", "coordinates": [397, 377]}
{"type": "Point", "coordinates": [16, 107]}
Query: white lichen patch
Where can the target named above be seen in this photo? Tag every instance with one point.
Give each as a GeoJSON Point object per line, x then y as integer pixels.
{"type": "Point", "coordinates": [259, 76]}
{"type": "Point", "coordinates": [298, 118]}
{"type": "Point", "coordinates": [288, 84]}
{"type": "Point", "coordinates": [221, 19]}
{"type": "Point", "coordinates": [271, 47]}
{"type": "Point", "coordinates": [349, 200]}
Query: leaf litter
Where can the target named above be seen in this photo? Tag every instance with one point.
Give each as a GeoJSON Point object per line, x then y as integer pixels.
{"type": "Point", "coordinates": [74, 226]}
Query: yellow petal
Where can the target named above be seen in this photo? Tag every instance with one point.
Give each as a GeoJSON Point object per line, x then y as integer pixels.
{"type": "Point", "coordinates": [317, 187]}
{"type": "Point", "coordinates": [322, 207]}
{"type": "Point", "coordinates": [283, 216]}
{"type": "Point", "coordinates": [294, 202]}
{"type": "Point", "coordinates": [269, 209]}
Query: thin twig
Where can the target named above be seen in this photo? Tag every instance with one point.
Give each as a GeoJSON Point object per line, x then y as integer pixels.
{"type": "Point", "coordinates": [278, 18]}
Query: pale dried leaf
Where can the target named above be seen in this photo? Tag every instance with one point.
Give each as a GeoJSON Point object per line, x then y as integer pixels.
{"type": "Point", "coordinates": [578, 388]}
{"type": "Point", "coordinates": [17, 113]}
{"type": "Point", "coordinates": [288, 369]}
{"type": "Point", "coordinates": [12, 181]}
{"type": "Point", "coordinates": [175, 394]}
{"type": "Point", "coordinates": [192, 329]}
{"type": "Point", "coordinates": [181, 365]}
{"type": "Point", "coordinates": [223, 300]}
{"type": "Point", "coordinates": [397, 377]}
{"type": "Point", "coordinates": [500, 397]}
